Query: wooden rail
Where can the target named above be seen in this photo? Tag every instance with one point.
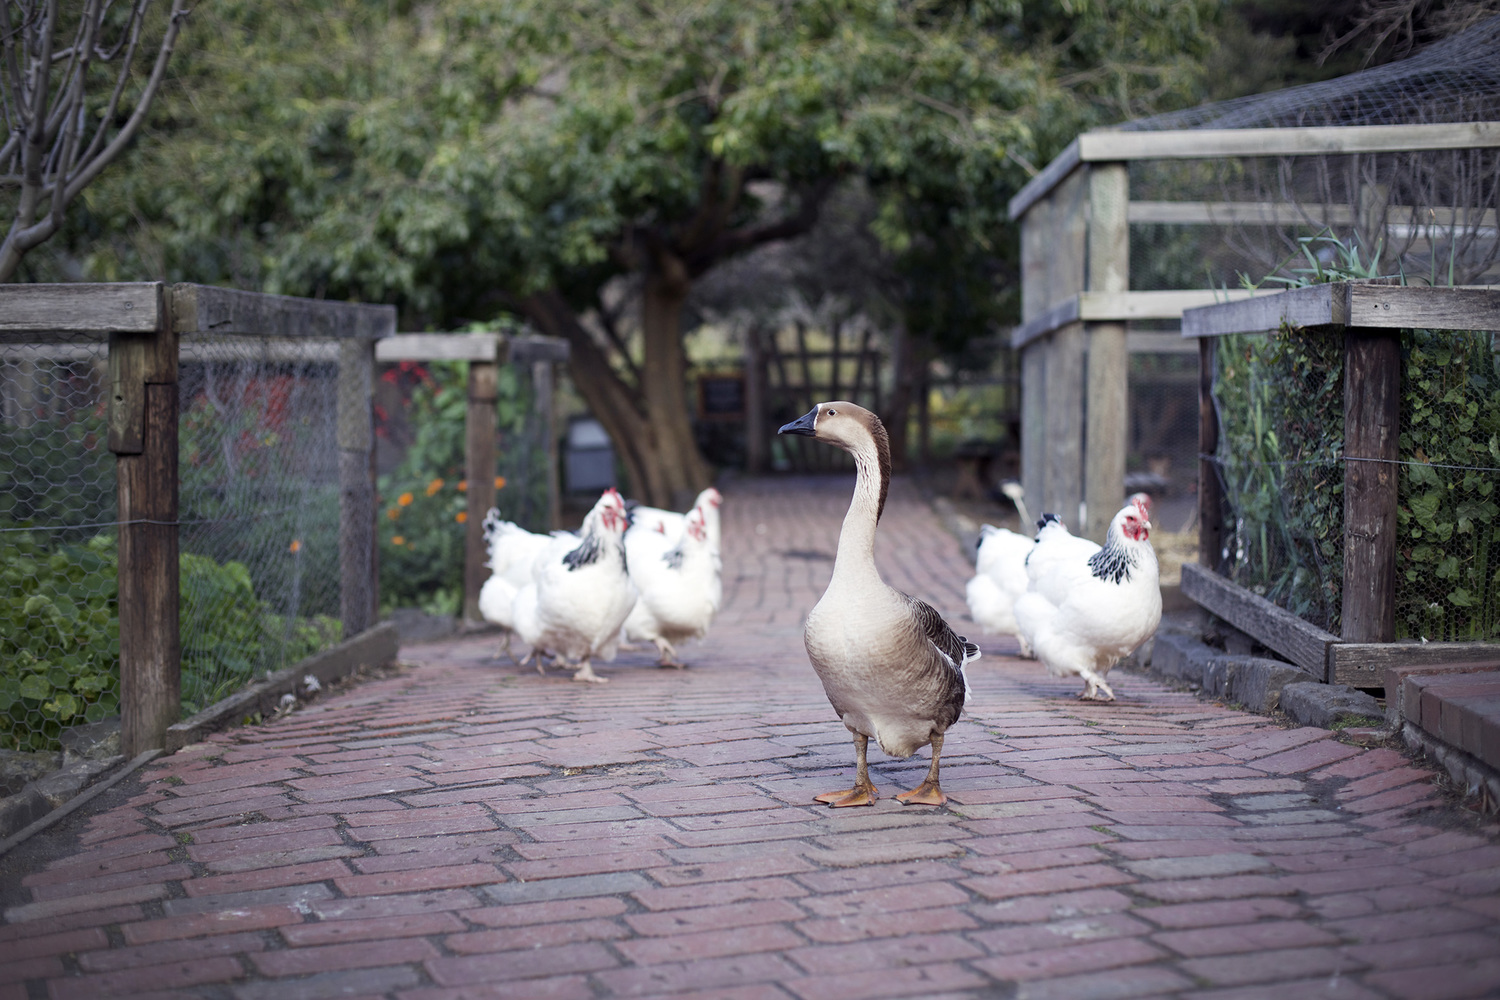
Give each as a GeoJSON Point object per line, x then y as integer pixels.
{"type": "Point", "coordinates": [1111, 145]}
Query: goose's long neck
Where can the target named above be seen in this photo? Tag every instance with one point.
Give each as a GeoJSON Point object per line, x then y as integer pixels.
{"type": "Point", "coordinates": [856, 553]}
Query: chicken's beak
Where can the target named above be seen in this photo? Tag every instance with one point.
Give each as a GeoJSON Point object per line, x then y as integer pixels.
{"type": "Point", "coordinates": [804, 425]}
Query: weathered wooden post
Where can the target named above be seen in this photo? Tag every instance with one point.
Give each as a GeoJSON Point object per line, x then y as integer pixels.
{"type": "Point", "coordinates": [480, 439]}
{"type": "Point", "coordinates": [1035, 226]}
{"type": "Point", "coordinates": [143, 436]}
{"type": "Point", "coordinates": [1108, 416]}
{"type": "Point", "coordinates": [1210, 490]}
{"type": "Point", "coordinates": [543, 381]}
{"type": "Point", "coordinates": [1065, 351]}
{"type": "Point", "coordinates": [1372, 418]}
{"type": "Point", "coordinates": [757, 441]}
{"type": "Point", "coordinates": [359, 594]}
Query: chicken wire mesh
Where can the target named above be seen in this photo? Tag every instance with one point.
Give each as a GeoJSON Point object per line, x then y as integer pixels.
{"type": "Point", "coordinates": [1161, 455]}
{"type": "Point", "coordinates": [258, 524]}
{"type": "Point", "coordinates": [1416, 215]}
{"type": "Point", "coordinates": [1280, 459]}
{"type": "Point", "coordinates": [59, 639]}
{"type": "Point", "coordinates": [420, 414]}
{"type": "Point", "coordinates": [258, 508]}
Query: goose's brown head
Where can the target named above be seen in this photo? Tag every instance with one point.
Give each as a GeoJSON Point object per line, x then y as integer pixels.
{"type": "Point", "coordinates": [852, 428]}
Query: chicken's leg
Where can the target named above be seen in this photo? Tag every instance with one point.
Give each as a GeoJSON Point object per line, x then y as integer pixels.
{"type": "Point", "coordinates": [928, 793]}
{"type": "Point", "coordinates": [1093, 684]}
{"type": "Point", "coordinates": [585, 672]}
{"type": "Point", "coordinates": [863, 793]}
{"type": "Point", "coordinates": [668, 656]}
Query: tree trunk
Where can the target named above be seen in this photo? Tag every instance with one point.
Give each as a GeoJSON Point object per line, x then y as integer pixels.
{"type": "Point", "coordinates": [664, 381]}
{"type": "Point", "coordinates": [899, 406]}
{"type": "Point", "coordinates": [660, 472]}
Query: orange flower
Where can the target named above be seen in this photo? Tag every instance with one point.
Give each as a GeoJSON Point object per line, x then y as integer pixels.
{"type": "Point", "coordinates": [461, 517]}
{"type": "Point", "coordinates": [398, 540]}
{"type": "Point", "coordinates": [404, 499]}
{"type": "Point", "coordinates": [393, 513]}
{"type": "Point", "coordinates": [296, 546]}
{"type": "Point", "coordinates": [434, 486]}
{"type": "Point", "coordinates": [499, 482]}
{"type": "Point", "coordinates": [463, 485]}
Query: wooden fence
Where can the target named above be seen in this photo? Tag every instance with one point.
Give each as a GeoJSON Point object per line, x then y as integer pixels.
{"type": "Point", "coordinates": [485, 353]}
{"type": "Point", "coordinates": [1369, 316]}
{"type": "Point", "coordinates": [144, 324]}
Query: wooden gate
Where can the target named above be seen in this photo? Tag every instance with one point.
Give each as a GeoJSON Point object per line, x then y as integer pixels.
{"type": "Point", "coordinates": [802, 366]}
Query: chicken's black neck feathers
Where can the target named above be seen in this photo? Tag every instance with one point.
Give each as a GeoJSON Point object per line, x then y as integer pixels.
{"type": "Point", "coordinates": [588, 552]}
{"type": "Point", "coordinates": [1114, 563]}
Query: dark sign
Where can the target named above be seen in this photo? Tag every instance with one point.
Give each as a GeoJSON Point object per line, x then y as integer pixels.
{"type": "Point", "coordinates": [721, 397]}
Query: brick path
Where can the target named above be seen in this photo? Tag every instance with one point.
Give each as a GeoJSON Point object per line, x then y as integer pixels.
{"type": "Point", "coordinates": [467, 830]}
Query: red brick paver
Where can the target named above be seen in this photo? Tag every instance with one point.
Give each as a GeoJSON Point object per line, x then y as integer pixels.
{"type": "Point", "coordinates": [468, 829]}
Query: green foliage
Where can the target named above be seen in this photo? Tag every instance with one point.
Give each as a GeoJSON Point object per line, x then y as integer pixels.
{"type": "Point", "coordinates": [421, 535]}
{"type": "Point", "coordinates": [433, 156]}
{"type": "Point", "coordinates": [60, 638]}
{"type": "Point", "coordinates": [228, 634]}
{"type": "Point", "coordinates": [54, 466]}
{"type": "Point", "coordinates": [1448, 584]}
{"type": "Point", "coordinates": [1282, 404]}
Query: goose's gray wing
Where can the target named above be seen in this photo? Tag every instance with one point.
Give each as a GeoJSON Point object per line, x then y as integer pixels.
{"type": "Point", "coordinates": [956, 649]}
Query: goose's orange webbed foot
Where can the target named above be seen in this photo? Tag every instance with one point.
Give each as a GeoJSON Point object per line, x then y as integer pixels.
{"type": "Point", "coordinates": [926, 794]}
{"type": "Point", "coordinates": [856, 796]}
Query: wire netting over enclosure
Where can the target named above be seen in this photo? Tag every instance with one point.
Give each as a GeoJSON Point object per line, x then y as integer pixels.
{"type": "Point", "coordinates": [1391, 172]}
{"type": "Point", "coordinates": [420, 432]}
{"type": "Point", "coordinates": [1429, 214]}
{"type": "Point", "coordinates": [59, 639]}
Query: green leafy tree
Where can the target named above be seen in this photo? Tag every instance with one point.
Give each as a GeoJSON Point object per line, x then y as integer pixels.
{"type": "Point", "coordinates": [485, 156]}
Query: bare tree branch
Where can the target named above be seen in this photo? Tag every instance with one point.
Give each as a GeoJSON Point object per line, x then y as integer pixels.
{"type": "Point", "coordinates": [58, 140]}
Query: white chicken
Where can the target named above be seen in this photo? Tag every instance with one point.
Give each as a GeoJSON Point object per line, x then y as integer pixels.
{"type": "Point", "coordinates": [580, 592]}
{"type": "Point", "coordinates": [512, 551]}
{"type": "Point", "coordinates": [669, 523]}
{"type": "Point", "coordinates": [1056, 544]}
{"type": "Point", "coordinates": [679, 584]}
{"type": "Point", "coordinates": [1082, 614]}
{"type": "Point", "coordinates": [999, 579]}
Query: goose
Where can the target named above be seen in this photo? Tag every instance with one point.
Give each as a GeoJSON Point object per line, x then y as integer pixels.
{"type": "Point", "coordinates": [890, 665]}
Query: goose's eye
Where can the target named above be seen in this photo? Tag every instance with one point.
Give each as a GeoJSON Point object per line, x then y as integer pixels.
{"type": "Point", "coordinates": [830, 413]}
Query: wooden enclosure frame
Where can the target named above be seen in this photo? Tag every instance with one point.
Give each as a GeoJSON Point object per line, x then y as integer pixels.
{"type": "Point", "coordinates": [1075, 216]}
{"type": "Point", "coordinates": [485, 353]}
{"type": "Point", "coordinates": [144, 323]}
{"type": "Point", "coordinates": [1368, 316]}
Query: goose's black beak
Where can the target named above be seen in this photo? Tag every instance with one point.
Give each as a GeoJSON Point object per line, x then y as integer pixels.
{"type": "Point", "coordinates": [802, 425]}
